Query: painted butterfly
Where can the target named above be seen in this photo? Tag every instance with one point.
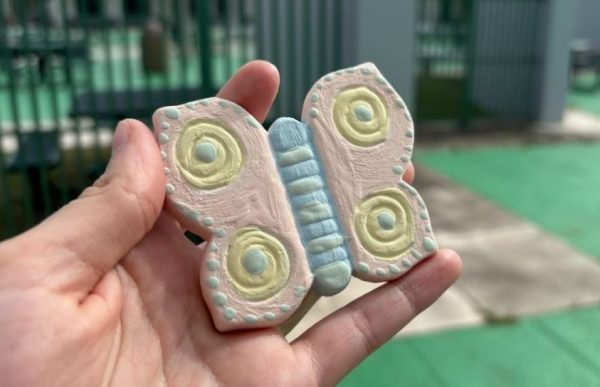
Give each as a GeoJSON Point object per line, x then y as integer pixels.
{"type": "Point", "coordinates": [309, 204]}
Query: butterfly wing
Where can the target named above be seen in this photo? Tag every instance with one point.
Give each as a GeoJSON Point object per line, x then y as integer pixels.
{"type": "Point", "coordinates": [364, 135]}
{"type": "Point", "coordinates": [222, 184]}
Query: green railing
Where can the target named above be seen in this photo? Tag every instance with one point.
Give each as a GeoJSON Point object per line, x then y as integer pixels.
{"type": "Point", "coordinates": [71, 69]}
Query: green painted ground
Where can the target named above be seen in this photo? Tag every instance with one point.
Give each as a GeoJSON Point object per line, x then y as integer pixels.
{"type": "Point", "coordinates": [555, 186]}
{"type": "Point", "coordinates": [558, 350]}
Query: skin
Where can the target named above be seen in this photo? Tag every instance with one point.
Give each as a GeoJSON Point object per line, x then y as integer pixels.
{"type": "Point", "coordinates": [105, 292]}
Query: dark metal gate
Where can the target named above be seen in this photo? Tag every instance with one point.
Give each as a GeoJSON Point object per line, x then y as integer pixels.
{"type": "Point", "coordinates": [478, 59]}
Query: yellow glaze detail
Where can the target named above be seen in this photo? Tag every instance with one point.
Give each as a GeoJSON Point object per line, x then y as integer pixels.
{"type": "Point", "coordinates": [229, 155]}
{"type": "Point", "coordinates": [361, 129]}
{"type": "Point", "coordinates": [270, 281]}
{"type": "Point", "coordinates": [379, 242]}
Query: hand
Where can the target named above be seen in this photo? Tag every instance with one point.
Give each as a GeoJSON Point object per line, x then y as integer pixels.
{"type": "Point", "coordinates": [106, 291]}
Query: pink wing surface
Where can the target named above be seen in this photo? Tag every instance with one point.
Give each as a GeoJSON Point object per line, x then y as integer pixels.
{"type": "Point", "coordinates": [364, 135]}
{"type": "Point", "coordinates": [222, 184]}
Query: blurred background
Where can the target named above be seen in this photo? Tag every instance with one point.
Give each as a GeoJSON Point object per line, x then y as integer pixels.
{"type": "Point", "coordinates": [506, 99]}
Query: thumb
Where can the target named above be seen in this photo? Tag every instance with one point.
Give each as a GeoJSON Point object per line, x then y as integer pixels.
{"type": "Point", "coordinates": [85, 239]}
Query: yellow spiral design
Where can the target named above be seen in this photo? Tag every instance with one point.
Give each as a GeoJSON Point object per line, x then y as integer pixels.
{"type": "Point", "coordinates": [384, 224]}
{"type": "Point", "coordinates": [257, 264]}
{"type": "Point", "coordinates": [208, 155]}
{"type": "Point", "coordinates": [361, 116]}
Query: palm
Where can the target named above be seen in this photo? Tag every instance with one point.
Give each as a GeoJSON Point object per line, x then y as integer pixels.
{"type": "Point", "coordinates": [164, 318]}
{"type": "Point", "coordinates": [105, 292]}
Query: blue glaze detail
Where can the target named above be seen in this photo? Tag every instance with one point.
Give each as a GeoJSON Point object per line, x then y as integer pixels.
{"type": "Point", "coordinates": [300, 170]}
{"type": "Point", "coordinates": [220, 233]}
{"type": "Point", "coordinates": [398, 169]}
{"type": "Point", "coordinates": [172, 113]}
{"type": "Point", "coordinates": [205, 152]}
{"type": "Point", "coordinates": [255, 261]}
{"type": "Point", "coordinates": [313, 209]}
{"type": "Point", "coordinates": [208, 221]}
{"type": "Point", "coordinates": [305, 185]}
{"type": "Point", "coordinates": [299, 291]}
{"type": "Point", "coordinates": [429, 245]}
{"type": "Point", "coordinates": [213, 264]}
{"type": "Point", "coordinates": [394, 269]}
{"type": "Point", "coordinates": [296, 155]}
{"type": "Point", "coordinates": [250, 319]}
{"type": "Point", "coordinates": [212, 282]}
{"type": "Point", "coordinates": [285, 308]}
{"type": "Point", "coordinates": [163, 138]}
{"type": "Point", "coordinates": [380, 271]}
{"type": "Point", "coordinates": [165, 125]}
{"type": "Point", "coordinates": [363, 112]}
{"type": "Point", "coordinates": [317, 229]}
{"type": "Point", "coordinates": [229, 313]}
{"type": "Point", "coordinates": [386, 220]}
{"type": "Point", "coordinates": [317, 196]}
{"type": "Point", "coordinates": [219, 298]}
{"type": "Point", "coordinates": [269, 316]}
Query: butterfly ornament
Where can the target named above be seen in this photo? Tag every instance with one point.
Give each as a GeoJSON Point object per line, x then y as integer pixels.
{"type": "Point", "coordinates": [305, 206]}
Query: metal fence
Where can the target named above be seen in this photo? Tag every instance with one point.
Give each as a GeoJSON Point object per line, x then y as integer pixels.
{"type": "Point", "coordinates": [70, 69]}
{"type": "Point", "coordinates": [478, 59]}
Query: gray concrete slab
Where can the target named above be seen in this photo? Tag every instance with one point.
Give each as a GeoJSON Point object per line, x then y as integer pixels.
{"type": "Point", "coordinates": [521, 270]}
{"type": "Point", "coordinates": [511, 267]}
{"type": "Point", "coordinates": [456, 209]}
{"type": "Point", "coordinates": [452, 310]}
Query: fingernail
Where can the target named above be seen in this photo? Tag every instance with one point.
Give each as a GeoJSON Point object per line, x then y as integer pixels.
{"type": "Point", "coordinates": [120, 138]}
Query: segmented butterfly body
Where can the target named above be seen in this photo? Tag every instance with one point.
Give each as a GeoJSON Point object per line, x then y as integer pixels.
{"type": "Point", "coordinates": [307, 206]}
{"type": "Point", "coordinates": [312, 206]}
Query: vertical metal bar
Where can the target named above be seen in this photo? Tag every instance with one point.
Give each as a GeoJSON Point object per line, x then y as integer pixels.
{"type": "Point", "coordinates": [337, 33]}
{"type": "Point", "coordinates": [275, 41]}
{"type": "Point", "coordinates": [57, 124]}
{"type": "Point", "coordinates": [307, 31]}
{"type": "Point", "coordinates": [292, 106]}
{"type": "Point", "coordinates": [167, 25]}
{"type": "Point", "coordinates": [322, 20]}
{"type": "Point", "coordinates": [464, 120]}
{"type": "Point", "coordinates": [181, 44]}
{"type": "Point", "coordinates": [126, 50]}
{"type": "Point", "coordinates": [259, 38]}
{"type": "Point", "coordinates": [91, 87]}
{"type": "Point", "coordinates": [27, 194]}
{"type": "Point", "coordinates": [8, 222]}
{"type": "Point", "coordinates": [108, 58]}
{"type": "Point", "coordinates": [204, 35]}
{"type": "Point", "coordinates": [33, 94]}
{"type": "Point", "coordinates": [245, 31]}
{"type": "Point", "coordinates": [226, 39]}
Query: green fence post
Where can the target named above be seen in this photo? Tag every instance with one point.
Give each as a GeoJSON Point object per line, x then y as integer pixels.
{"type": "Point", "coordinates": [464, 120]}
{"type": "Point", "coordinates": [204, 35]}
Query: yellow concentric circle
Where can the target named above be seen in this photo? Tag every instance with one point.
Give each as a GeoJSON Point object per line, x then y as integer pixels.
{"type": "Point", "coordinates": [208, 155]}
{"type": "Point", "coordinates": [361, 116]}
{"type": "Point", "coordinates": [384, 224]}
{"type": "Point", "coordinates": [257, 264]}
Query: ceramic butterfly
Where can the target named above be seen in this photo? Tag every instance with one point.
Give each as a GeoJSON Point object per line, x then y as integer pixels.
{"type": "Point", "coordinates": [305, 206]}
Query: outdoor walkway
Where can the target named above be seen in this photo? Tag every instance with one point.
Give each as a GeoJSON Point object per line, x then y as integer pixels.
{"type": "Point", "coordinates": [526, 305]}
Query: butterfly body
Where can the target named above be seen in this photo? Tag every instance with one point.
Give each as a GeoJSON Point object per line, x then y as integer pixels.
{"type": "Point", "coordinates": [314, 211]}
{"type": "Point", "coordinates": [307, 206]}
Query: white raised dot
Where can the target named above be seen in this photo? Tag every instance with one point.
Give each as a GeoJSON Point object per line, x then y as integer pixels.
{"type": "Point", "coordinates": [313, 112]}
{"type": "Point", "coordinates": [169, 189]}
{"type": "Point", "coordinates": [163, 138]}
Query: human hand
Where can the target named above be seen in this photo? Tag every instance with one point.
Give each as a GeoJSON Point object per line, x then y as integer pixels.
{"type": "Point", "coordinates": [106, 291]}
